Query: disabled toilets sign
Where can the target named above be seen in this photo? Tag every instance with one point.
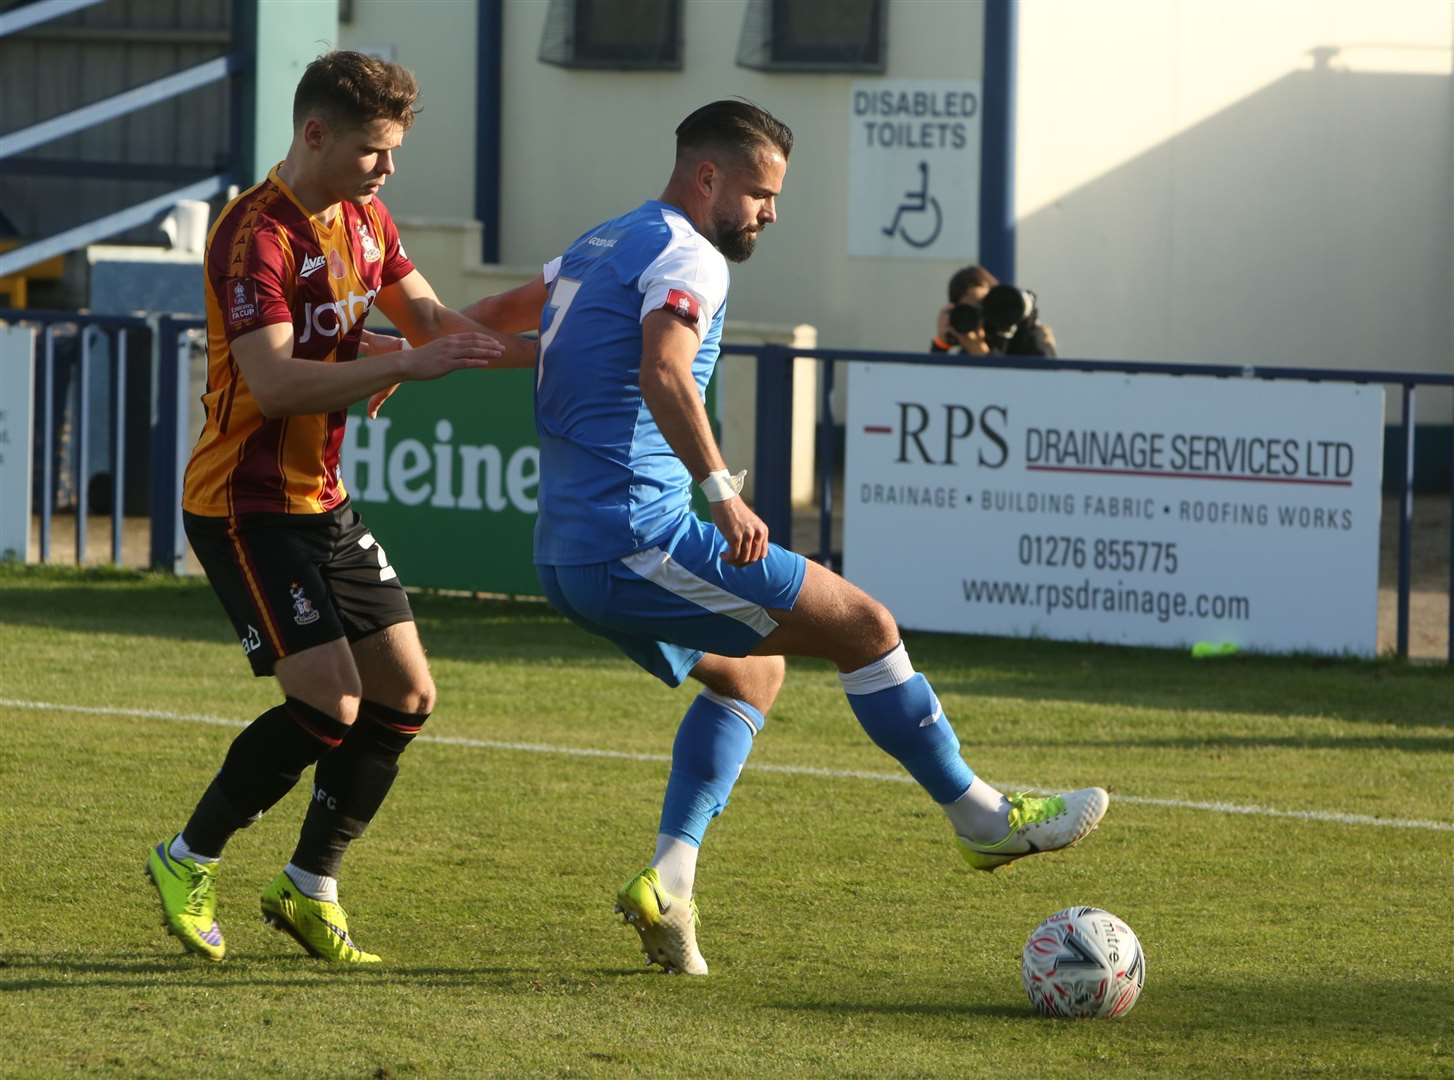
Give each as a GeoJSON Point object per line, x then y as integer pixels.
{"type": "Point", "coordinates": [913, 168]}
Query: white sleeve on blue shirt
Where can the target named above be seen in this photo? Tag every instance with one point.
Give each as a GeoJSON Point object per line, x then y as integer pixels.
{"type": "Point", "coordinates": [551, 270]}
{"type": "Point", "coordinates": [688, 264]}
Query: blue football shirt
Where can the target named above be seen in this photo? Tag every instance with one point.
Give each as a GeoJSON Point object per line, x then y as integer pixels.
{"type": "Point", "coordinates": [609, 483]}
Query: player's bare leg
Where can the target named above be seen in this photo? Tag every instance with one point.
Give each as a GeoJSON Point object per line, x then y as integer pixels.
{"type": "Point", "coordinates": [711, 746]}
{"type": "Point", "coordinates": [835, 620]}
{"type": "Point", "coordinates": [395, 695]}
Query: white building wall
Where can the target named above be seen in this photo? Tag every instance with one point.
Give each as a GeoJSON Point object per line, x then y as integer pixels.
{"type": "Point", "coordinates": [1238, 180]}
{"type": "Point", "coordinates": [435, 39]}
{"type": "Point", "coordinates": [583, 146]}
{"type": "Point", "coordinates": [1197, 180]}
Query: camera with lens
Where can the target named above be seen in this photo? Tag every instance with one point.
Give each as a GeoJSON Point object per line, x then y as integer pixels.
{"type": "Point", "coordinates": [966, 318]}
{"type": "Point", "coordinates": [1009, 317]}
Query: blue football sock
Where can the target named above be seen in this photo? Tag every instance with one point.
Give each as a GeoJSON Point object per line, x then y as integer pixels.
{"type": "Point", "coordinates": [712, 743]}
{"type": "Point", "coordinates": [897, 707]}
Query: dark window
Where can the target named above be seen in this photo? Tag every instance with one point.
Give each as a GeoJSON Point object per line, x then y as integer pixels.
{"type": "Point", "coordinates": [814, 35]}
{"type": "Point", "coordinates": [619, 34]}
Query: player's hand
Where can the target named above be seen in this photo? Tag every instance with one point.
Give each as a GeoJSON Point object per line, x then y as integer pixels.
{"type": "Point", "coordinates": [376, 402]}
{"type": "Point", "coordinates": [453, 352]}
{"type": "Point", "coordinates": [372, 344]}
{"type": "Point", "coordinates": [744, 531]}
{"type": "Point", "coordinates": [945, 331]}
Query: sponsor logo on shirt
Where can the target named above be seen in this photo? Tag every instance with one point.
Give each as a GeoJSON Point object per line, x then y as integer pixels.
{"type": "Point", "coordinates": [371, 252]}
{"type": "Point", "coordinates": [683, 304]}
{"type": "Point", "coordinates": [337, 318]}
{"type": "Point", "coordinates": [310, 264]}
{"type": "Point", "coordinates": [241, 303]}
{"type": "Point", "coordinates": [600, 241]}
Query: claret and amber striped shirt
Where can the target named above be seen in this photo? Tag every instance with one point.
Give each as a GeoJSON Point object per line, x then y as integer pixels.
{"type": "Point", "coordinates": [269, 261]}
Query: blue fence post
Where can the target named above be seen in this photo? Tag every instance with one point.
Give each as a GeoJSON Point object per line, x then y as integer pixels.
{"type": "Point", "coordinates": [81, 441]}
{"type": "Point", "coordinates": [773, 485]}
{"type": "Point", "coordinates": [1406, 521]}
{"type": "Point", "coordinates": [47, 440]}
{"type": "Point", "coordinates": [168, 444]}
{"type": "Point", "coordinates": [118, 446]}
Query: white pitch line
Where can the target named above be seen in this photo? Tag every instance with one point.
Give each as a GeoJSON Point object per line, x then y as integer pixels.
{"type": "Point", "coordinates": [1331, 817]}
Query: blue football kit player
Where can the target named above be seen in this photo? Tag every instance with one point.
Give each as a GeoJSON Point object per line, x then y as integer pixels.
{"type": "Point", "coordinates": [630, 320]}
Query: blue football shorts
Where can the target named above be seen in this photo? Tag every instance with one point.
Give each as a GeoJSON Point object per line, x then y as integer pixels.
{"type": "Point", "coordinates": [666, 605]}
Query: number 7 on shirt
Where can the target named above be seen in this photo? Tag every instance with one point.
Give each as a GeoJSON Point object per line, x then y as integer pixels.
{"type": "Point", "coordinates": [560, 301]}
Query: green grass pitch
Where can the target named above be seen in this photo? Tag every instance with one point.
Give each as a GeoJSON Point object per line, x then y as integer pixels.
{"type": "Point", "coordinates": [845, 936]}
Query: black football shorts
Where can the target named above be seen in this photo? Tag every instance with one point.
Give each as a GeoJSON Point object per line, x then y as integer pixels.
{"type": "Point", "coordinates": [292, 581]}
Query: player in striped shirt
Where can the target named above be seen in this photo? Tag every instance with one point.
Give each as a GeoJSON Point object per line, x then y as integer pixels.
{"type": "Point", "coordinates": [293, 267]}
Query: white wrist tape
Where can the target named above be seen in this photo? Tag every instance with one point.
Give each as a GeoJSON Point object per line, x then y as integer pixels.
{"type": "Point", "coordinates": [722, 485]}
{"type": "Point", "coordinates": [404, 345]}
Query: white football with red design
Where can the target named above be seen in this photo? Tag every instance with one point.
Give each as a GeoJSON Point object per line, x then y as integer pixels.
{"type": "Point", "coordinates": [1083, 962]}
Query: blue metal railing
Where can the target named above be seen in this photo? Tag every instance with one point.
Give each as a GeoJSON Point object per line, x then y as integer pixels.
{"type": "Point", "coordinates": [772, 498]}
{"type": "Point", "coordinates": [139, 97]}
{"type": "Point", "coordinates": [42, 11]}
{"type": "Point", "coordinates": [168, 413]}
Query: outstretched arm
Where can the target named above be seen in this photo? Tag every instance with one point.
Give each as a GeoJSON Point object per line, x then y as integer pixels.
{"type": "Point", "coordinates": [412, 306]}
{"type": "Point", "coordinates": [515, 311]}
{"type": "Point", "coordinates": [283, 385]}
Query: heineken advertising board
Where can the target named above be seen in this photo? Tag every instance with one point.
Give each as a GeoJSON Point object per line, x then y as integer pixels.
{"type": "Point", "coordinates": [447, 478]}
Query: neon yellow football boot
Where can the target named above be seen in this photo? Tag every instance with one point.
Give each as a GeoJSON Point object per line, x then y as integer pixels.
{"type": "Point", "coordinates": [1039, 824]}
{"type": "Point", "coordinates": [667, 924]}
{"type": "Point", "coordinates": [320, 926]}
{"type": "Point", "coordinates": [188, 892]}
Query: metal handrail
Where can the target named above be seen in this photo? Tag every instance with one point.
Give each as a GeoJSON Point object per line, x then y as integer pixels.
{"type": "Point", "coordinates": [43, 11]}
{"type": "Point", "coordinates": [110, 225]}
{"type": "Point", "coordinates": [128, 101]}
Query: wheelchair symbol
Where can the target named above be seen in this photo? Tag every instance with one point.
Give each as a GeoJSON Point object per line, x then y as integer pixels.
{"type": "Point", "coordinates": [917, 202]}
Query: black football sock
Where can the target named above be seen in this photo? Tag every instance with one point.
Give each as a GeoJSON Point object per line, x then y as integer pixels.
{"type": "Point", "coordinates": [350, 785]}
{"type": "Point", "coordinates": [262, 765]}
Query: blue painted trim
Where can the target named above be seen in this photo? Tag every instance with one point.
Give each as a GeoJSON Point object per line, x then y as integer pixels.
{"type": "Point", "coordinates": [118, 105]}
{"type": "Point", "coordinates": [772, 493]}
{"type": "Point", "coordinates": [118, 445]}
{"type": "Point", "coordinates": [488, 78]}
{"type": "Point", "coordinates": [169, 448]}
{"type": "Point", "coordinates": [1406, 521]}
{"type": "Point", "coordinates": [1126, 367]}
{"type": "Point", "coordinates": [43, 317]}
{"type": "Point", "coordinates": [242, 93]}
{"type": "Point", "coordinates": [997, 149]}
{"type": "Point", "coordinates": [109, 225]}
{"type": "Point", "coordinates": [44, 11]}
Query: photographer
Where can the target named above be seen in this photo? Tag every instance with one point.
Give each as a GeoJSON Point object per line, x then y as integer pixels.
{"type": "Point", "coordinates": [985, 318]}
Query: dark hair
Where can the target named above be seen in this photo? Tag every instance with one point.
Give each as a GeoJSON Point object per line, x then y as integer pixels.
{"type": "Point", "coordinates": [350, 90]}
{"type": "Point", "coordinates": [969, 278]}
{"type": "Point", "coordinates": [733, 124]}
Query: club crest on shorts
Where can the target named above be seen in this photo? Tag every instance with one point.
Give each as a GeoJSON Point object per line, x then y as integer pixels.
{"type": "Point", "coordinates": [303, 610]}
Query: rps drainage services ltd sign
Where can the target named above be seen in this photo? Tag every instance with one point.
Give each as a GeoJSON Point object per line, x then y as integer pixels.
{"type": "Point", "coordinates": [1146, 510]}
